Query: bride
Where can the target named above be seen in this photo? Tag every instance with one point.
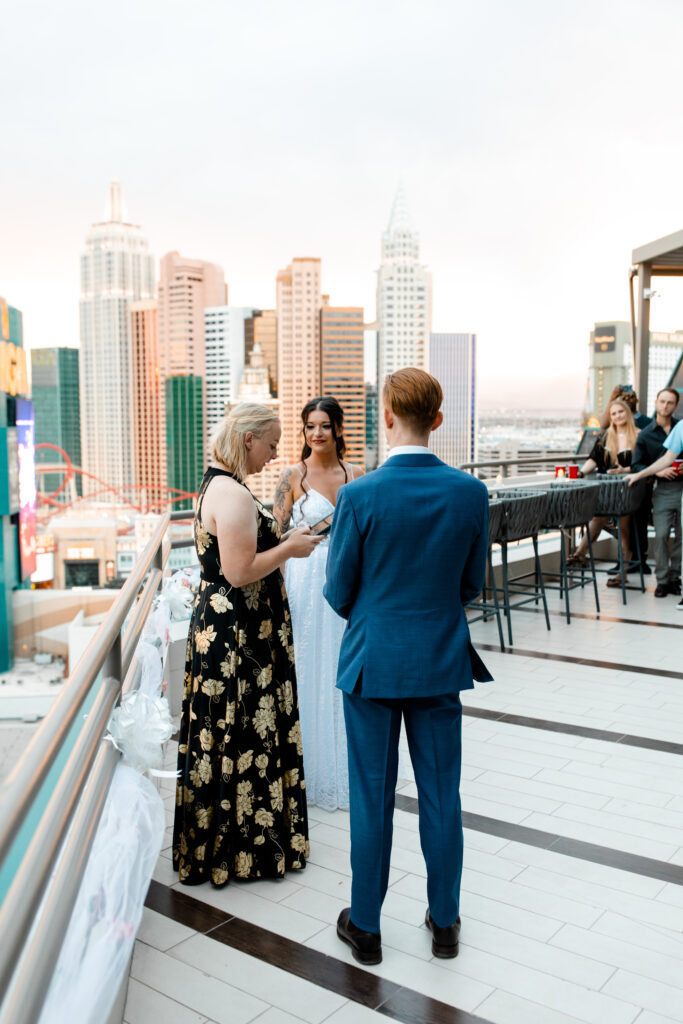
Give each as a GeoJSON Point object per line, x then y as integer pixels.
{"type": "Point", "coordinates": [306, 494]}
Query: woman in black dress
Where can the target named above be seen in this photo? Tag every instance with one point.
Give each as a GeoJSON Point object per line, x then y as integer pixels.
{"type": "Point", "coordinates": [611, 453]}
{"type": "Point", "coordinates": [240, 798]}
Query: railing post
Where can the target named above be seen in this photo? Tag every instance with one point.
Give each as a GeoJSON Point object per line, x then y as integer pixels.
{"type": "Point", "coordinates": [112, 666]}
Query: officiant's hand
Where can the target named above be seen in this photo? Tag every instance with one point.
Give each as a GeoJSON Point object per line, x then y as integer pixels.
{"type": "Point", "coordinates": [300, 542]}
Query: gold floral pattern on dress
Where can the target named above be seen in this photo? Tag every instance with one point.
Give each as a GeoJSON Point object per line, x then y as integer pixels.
{"type": "Point", "coordinates": [240, 798]}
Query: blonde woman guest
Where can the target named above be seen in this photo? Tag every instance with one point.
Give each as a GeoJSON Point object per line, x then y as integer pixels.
{"type": "Point", "coordinates": [306, 493]}
{"type": "Point", "coordinates": [240, 802]}
{"type": "Point", "coordinates": [612, 453]}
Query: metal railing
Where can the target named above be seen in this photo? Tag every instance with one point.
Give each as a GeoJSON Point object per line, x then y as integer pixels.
{"type": "Point", "coordinates": [522, 463]}
{"type": "Point", "coordinates": [29, 949]}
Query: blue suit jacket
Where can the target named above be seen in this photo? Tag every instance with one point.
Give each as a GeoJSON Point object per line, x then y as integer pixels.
{"type": "Point", "coordinates": [407, 550]}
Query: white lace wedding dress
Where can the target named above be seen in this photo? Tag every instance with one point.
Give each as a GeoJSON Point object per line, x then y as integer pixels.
{"type": "Point", "coordinates": [317, 639]}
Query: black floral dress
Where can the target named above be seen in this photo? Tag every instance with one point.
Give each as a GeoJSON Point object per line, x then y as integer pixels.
{"type": "Point", "coordinates": [240, 797]}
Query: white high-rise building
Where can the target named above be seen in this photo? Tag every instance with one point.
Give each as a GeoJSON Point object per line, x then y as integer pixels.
{"type": "Point", "coordinates": [116, 269]}
{"type": "Point", "coordinates": [224, 341]}
{"type": "Point", "coordinates": [453, 362]}
{"type": "Point", "coordinates": [404, 301]}
{"type": "Point", "coordinates": [255, 387]}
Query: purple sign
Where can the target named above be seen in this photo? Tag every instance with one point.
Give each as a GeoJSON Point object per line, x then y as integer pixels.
{"type": "Point", "coordinates": [27, 487]}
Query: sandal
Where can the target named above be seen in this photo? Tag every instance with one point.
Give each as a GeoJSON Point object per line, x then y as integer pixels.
{"type": "Point", "coordinates": [614, 581]}
{"type": "Point", "coordinates": [576, 561]}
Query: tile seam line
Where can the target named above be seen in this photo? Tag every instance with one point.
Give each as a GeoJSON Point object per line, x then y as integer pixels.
{"type": "Point", "coordinates": [550, 725]}
{"type": "Point", "coordinates": [586, 662]}
{"type": "Point", "coordinates": [458, 1016]}
{"type": "Point", "coordinates": [620, 860]}
{"type": "Point", "coordinates": [599, 617]}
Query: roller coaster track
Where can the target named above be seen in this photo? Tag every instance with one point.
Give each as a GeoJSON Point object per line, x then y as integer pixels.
{"type": "Point", "coordinates": [48, 505]}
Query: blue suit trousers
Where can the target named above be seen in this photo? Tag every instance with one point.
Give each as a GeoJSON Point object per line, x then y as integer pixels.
{"type": "Point", "coordinates": [434, 731]}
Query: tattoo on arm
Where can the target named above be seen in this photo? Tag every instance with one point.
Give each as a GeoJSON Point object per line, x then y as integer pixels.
{"type": "Point", "coordinates": [282, 502]}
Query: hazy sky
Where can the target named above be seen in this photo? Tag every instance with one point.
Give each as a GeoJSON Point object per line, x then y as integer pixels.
{"type": "Point", "coordinates": [539, 143]}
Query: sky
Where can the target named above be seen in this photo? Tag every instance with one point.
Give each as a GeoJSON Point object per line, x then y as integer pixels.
{"type": "Point", "coordinates": [538, 145]}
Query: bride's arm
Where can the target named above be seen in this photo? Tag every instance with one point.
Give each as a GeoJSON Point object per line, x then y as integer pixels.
{"type": "Point", "coordinates": [284, 500]}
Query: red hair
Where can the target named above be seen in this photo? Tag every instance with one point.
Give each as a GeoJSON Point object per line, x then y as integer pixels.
{"type": "Point", "coordinates": [413, 395]}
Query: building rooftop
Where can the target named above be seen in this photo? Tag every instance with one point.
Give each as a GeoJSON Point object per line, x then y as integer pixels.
{"type": "Point", "coordinates": [573, 880]}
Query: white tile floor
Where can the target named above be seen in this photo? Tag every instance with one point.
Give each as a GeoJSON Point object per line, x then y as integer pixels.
{"type": "Point", "coordinates": [546, 937]}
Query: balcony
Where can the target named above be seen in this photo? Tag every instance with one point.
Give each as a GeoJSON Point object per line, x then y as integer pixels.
{"type": "Point", "coordinates": [573, 877]}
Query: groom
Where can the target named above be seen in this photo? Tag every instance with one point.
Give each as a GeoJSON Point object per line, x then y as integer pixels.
{"type": "Point", "coordinates": [407, 551]}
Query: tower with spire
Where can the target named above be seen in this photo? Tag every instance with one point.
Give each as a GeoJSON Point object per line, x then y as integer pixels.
{"type": "Point", "coordinates": [116, 270]}
{"type": "Point", "coordinates": [404, 300]}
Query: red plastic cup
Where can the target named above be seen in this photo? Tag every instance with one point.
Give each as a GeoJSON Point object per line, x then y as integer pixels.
{"type": "Point", "coordinates": [573, 472]}
{"type": "Point", "coordinates": [560, 472]}
{"type": "Point", "coordinates": [677, 464]}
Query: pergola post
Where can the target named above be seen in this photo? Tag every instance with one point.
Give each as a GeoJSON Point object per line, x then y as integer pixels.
{"type": "Point", "coordinates": [642, 353]}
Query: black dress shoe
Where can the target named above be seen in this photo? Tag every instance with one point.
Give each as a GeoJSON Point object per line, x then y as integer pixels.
{"type": "Point", "coordinates": [445, 940]}
{"type": "Point", "coordinates": [365, 946]}
{"type": "Point", "coordinates": [662, 590]}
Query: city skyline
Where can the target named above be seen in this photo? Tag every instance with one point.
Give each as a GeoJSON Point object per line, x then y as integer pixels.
{"type": "Point", "coordinates": [527, 198]}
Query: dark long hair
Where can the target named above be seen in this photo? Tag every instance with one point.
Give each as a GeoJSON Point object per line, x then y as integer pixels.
{"type": "Point", "coordinates": [331, 407]}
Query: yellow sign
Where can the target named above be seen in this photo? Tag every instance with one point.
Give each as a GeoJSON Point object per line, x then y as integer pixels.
{"type": "Point", "coordinates": [13, 369]}
{"type": "Point", "coordinates": [4, 320]}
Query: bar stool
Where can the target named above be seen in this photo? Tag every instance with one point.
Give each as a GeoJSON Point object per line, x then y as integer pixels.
{"type": "Point", "coordinates": [617, 499]}
{"type": "Point", "coordinates": [571, 505]}
{"type": "Point", "coordinates": [482, 604]}
{"type": "Point", "coordinates": [524, 514]}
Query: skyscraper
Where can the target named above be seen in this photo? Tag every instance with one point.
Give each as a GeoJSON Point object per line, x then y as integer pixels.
{"type": "Point", "coordinates": [255, 387]}
{"type": "Point", "coordinates": [262, 328]}
{"type": "Point", "coordinates": [224, 332]}
{"type": "Point", "coordinates": [343, 371]}
{"type": "Point", "coordinates": [187, 287]}
{"type": "Point", "coordinates": [116, 269]}
{"type": "Point", "coordinates": [404, 300]}
{"type": "Point", "coordinates": [56, 398]}
{"type": "Point", "coordinates": [299, 301]}
{"type": "Point", "coordinates": [453, 363]}
{"type": "Point", "coordinates": [149, 407]}
{"type": "Point", "coordinates": [609, 363]}
{"type": "Point", "coordinates": [184, 435]}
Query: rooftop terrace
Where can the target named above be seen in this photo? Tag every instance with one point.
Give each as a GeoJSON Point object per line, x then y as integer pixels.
{"type": "Point", "coordinates": [572, 901]}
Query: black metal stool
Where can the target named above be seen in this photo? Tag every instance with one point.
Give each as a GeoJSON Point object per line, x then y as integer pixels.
{"type": "Point", "coordinates": [524, 514]}
{"type": "Point", "coordinates": [617, 499]}
{"type": "Point", "coordinates": [571, 505]}
{"type": "Point", "coordinates": [482, 604]}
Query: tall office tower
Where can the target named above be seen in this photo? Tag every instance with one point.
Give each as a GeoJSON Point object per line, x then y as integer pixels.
{"type": "Point", "coordinates": [184, 435]}
{"type": "Point", "coordinates": [187, 288]}
{"type": "Point", "coordinates": [116, 269]}
{"type": "Point", "coordinates": [343, 371]}
{"type": "Point", "coordinates": [454, 364]}
{"type": "Point", "coordinates": [299, 302]}
{"type": "Point", "coordinates": [255, 387]}
{"type": "Point", "coordinates": [224, 333]}
{"type": "Point", "coordinates": [610, 363]}
{"type": "Point", "coordinates": [372, 425]}
{"type": "Point", "coordinates": [149, 407]}
{"type": "Point", "coordinates": [665, 353]}
{"type": "Point", "coordinates": [262, 328]}
{"type": "Point", "coordinates": [404, 301]}
{"type": "Point", "coordinates": [57, 406]}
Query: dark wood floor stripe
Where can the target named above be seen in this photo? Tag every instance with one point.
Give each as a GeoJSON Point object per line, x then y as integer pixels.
{"type": "Point", "coordinates": [346, 980]}
{"type": "Point", "coordinates": [625, 739]}
{"type": "Point", "coordinates": [588, 662]}
{"type": "Point", "coordinates": [660, 869]}
{"type": "Point", "coordinates": [599, 617]}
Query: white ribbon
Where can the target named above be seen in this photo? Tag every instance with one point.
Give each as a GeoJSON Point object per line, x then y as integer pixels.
{"type": "Point", "coordinates": [139, 726]}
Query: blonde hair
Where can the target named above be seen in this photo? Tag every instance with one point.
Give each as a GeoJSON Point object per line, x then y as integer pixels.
{"type": "Point", "coordinates": [611, 436]}
{"type": "Point", "coordinates": [227, 441]}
